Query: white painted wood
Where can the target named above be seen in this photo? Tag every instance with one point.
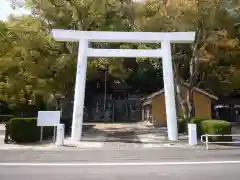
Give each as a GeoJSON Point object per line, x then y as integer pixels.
{"type": "Point", "coordinates": [132, 37]}
{"type": "Point", "coordinates": [169, 91]}
{"type": "Point", "coordinates": [124, 53]}
{"type": "Point", "coordinates": [79, 95]}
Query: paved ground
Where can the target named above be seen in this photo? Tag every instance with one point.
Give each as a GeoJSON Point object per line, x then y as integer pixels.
{"type": "Point", "coordinates": [142, 164]}
{"type": "Point", "coordinates": [112, 135]}
{"type": "Point", "coordinates": [124, 132]}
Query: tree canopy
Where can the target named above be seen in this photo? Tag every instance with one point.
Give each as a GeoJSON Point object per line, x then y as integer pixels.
{"type": "Point", "coordinates": [32, 64]}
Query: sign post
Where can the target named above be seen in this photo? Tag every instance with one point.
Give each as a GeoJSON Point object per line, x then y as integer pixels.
{"type": "Point", "coordinates": [41, 134]}
{"type": "Point", "coordinates": [54, 134]}
{"type": "Point", "coordinates": [192, 134]}
{"type": "Point", "coordinates": [60, 135]}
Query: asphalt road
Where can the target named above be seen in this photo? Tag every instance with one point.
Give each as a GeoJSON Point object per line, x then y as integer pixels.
{"type": "Point", "coordinates": [127, 155]}
{"type": "Point", "coordinates": [141, 164]}
{"type": "Point", "coordinates": [166, 172]}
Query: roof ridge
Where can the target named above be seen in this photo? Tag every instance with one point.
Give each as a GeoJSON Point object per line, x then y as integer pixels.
{"type": "Point", "coordinates": [194, 88]}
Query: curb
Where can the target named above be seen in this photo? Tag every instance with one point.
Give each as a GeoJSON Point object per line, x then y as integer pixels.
{"type": "Point", "coordinates": [106, 146]}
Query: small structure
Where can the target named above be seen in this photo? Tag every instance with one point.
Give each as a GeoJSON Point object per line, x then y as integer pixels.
{"type": "Point", "coordinates": [120, 106]}
{"type": "Point", "coordinates": [153, 106]}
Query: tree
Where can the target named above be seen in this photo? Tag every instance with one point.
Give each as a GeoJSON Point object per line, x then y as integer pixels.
{"type": "Point", "coordinates": [210, 34]}
{"type": "Point", "coordinates": [88, 15]}
{"type": "Point", "coordinates": [41, 64]}
{"type": "Point", "coordinates": [47, 68]}
{"type": "Point", "coordinates": [31, 62]}
{"type": "Point", "coordinates": [206, 18]}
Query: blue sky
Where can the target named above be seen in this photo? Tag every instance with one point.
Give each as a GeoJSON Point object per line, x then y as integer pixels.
{"type": "Point", "coordinates": [6, 10]}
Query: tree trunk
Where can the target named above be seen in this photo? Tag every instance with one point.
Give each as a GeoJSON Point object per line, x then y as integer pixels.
{"type": "Point", "coordinates": [180, 98]}
{"type": "Point", "coordinates": [193, 68]}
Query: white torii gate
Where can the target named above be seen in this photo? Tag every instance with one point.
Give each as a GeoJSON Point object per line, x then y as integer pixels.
{"type": "Point", "coordinates": [84, 37]}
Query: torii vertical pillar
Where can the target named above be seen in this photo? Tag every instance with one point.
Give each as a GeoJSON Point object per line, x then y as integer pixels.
{"type": "Point", "coordinates": [79, 95]}
{"type": "Point", "coordinates": [83, 37]}
{"type": "Point", "coordinates": [169, 91]}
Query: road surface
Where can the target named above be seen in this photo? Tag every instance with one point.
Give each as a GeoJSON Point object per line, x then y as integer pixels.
{"type": "Point", "coordinates": [127, 155]}
{"type": "Point", "coordinates": [119, 172]}
{"type": "Point", "coordinates": [162, 163]}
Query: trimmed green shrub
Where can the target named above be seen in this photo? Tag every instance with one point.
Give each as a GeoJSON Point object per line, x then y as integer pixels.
{"type": "Point", "coordinates": [183, 124]}
{"type": "Point", "coordinates": [24, 130]}
{"type": "Point", "coordinates": [6, 118]}
{"type": "Point", "coordinates": [198, 121]}
{"type": "Point", "coordinates": [217, 127]}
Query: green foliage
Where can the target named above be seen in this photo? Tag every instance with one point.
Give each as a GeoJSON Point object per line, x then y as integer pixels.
{"type": "Point", "coordinates": [205, 126]}
{"type": "Point", "coordinates": [25, 130]}
{"type": "Point", "coordinates": [182, 125]}
{"type": "Point", "coordinates": [4, 41]}
{"type": "Point", "coordinates": [217, 127]}
{"type": "Point", "coordinates": [67, 121]}
{"type": "Point", "coordinates": [198, 121]}
{"type": "Point", "coordinates": [4, 108]}
{"type": "Point", "coordinates": [28, 66]}
{"type": "Point", "coordinates": [33, 65]}
{"type": "Point", "coordinates": [6, 118]}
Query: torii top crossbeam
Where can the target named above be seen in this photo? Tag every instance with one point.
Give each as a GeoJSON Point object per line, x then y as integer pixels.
{"type": "Point", "coordinates": [132, 37]}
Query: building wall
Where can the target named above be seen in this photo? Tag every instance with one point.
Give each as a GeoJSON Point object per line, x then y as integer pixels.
{"type": "Point", "coordinates": [203, 104]}
{"type": "Point", "coordinates": [158, 110]}
{"type": "Point", "coordinates": [203, 107]}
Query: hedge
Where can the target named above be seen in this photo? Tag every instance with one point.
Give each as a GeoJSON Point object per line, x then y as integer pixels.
{"type": "Point", "coordinates": [182, 125]}
{"type": "Point", "coordinates": [6, 118]}
{"type": "Point", "coordinates": [198, 121]}
{"type": "Point", "coordinates": [24, 130]}
{"type": "Point", "coordinates": [217, 127]}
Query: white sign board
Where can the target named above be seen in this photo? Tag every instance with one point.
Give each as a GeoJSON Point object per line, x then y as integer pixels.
{"type": "Point", "coordinates": [48, 118]}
